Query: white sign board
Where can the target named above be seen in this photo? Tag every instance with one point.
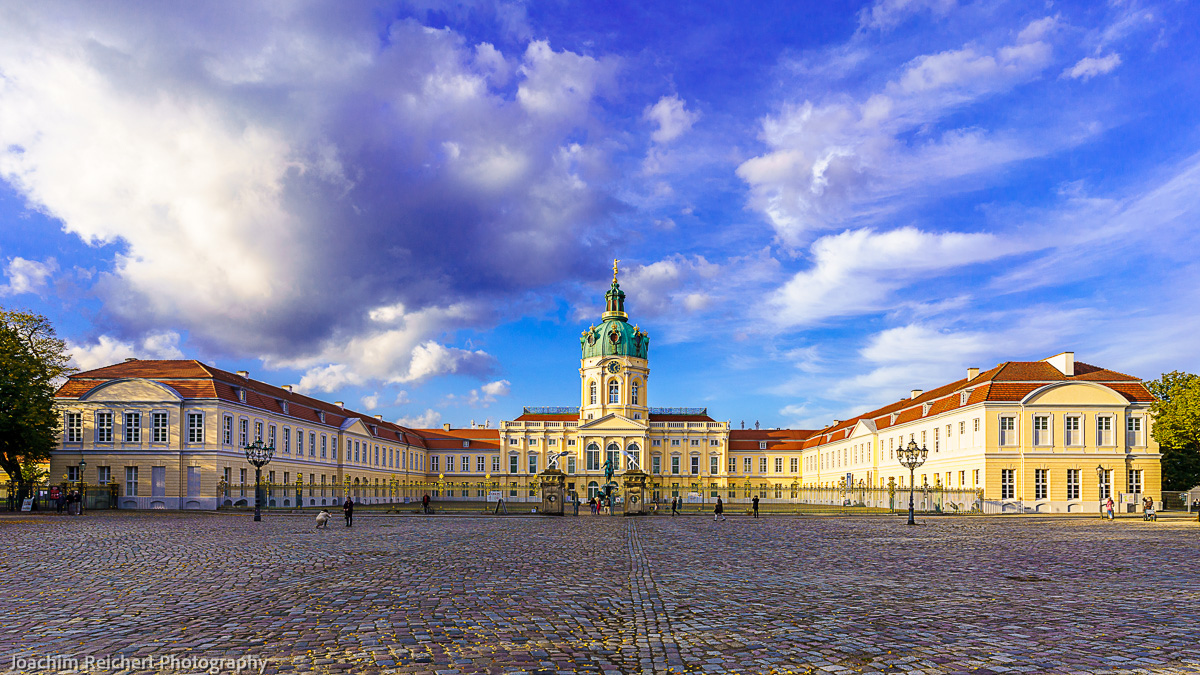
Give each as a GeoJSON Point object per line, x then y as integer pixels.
{"type": "Point", "coordinates": [27, 505]}
{"type": "Point", "coordinates": [493, 495]}
{"type": "Point", "coordinates": [693, 498]}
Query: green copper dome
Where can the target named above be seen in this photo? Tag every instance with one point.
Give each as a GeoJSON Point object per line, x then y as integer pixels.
{"type": "Point", "coordinates": [614, 336]}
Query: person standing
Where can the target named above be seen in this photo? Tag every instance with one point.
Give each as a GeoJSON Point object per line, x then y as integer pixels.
{"type": "Point", "coordinates": [755, 503]}
{"type": "Point", "coordinates": [719, 510]}
{"type": "Point", "coordinates": [1109, 506]}
{"type": "Point", "coordinates": [674, 506]}
{"type": "Point", "coordinates": [348, 511]}
{"type": "Point", "coordinates": [425, 504]}
{"type": "Point", "coordinates": [60, 501]}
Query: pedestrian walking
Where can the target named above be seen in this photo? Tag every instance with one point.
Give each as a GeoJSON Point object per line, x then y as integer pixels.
{"type": "Point", "coordinates": [500, 506]}
{"type": "Point", "coordinates": [755, 503]}
{"type": "Point", "coordinates": [1109, 506]}
{"type": "Point", "coordinates": [674, 506]}
{"type": "Point", "coordinates": [719, 510]}
{"type": "Point", "coordinates": [348, 511]}
{"type": "Point", "coordinates": [425, 504]}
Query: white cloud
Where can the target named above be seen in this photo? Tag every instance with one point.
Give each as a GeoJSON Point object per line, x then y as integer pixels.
{"type": "Point", "coordinates": [488, 393]}
{"type": "Point", "coordinates": [857, 271]}
{"type": "Point", "coordinates": [1091, 66]}
{"type": "Point", "coordinates": [108, 350]}
{"type": "Point", "coordinates": [370, 401]}
{"type": "Point", "coordinates": [672, 117]}
{"type": "Point", "coordinates": [28, 276]}
{"type": "Point", "coordinates": [885, 14]}
{"type": "Point", "coordinates": [842, 159]}
{"type": "Point", "coordinates": [426, 420]}
{"type": "Point", "coordinates": [227, 152]}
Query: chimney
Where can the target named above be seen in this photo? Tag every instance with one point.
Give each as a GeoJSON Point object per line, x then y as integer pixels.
{"type": "Point", "coordinates": [340, 404]}
{"type": "Point", "coordinates": [379, 417]}
{"type": "Point", "coordinates": [972, 373]}
{"type": "Point", "coordinates": [916, 392]}
{"type": "Point", "coordinates": [836, 422]}
{"type": "Point", "coordinates": [287, 388]}
{"type": "Point", "coordinates": [244, 374]}
{"type": "Point", "coordinates": [1065, 362]}
{"type": "Point", "coordinates": [446, 426]}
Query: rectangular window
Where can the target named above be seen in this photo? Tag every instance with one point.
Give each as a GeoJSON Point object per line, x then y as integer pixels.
{"type": "Point", "coordinates": [1135, 481]}
{"type": "Point", "coordinates": [549, 441]}
{"type": "Point", "coordinates": [244, 432]}
{"type": "Point", "coordinates": [1133, 432]}
{"type": "Point", "coordinates": [1105, 484]}
{"type": "Point", "coordinates": [1041, 430]}
{"type": "Point", "coordinates": [713, 441]}
{"type": "Point", "coordinates": [131, 481]}
{"type": "Point", "coordinates": [795, 465]}
{"type": "Point", "coordinates": [962, 429]}
{"type": "Point", "coordinates": [133, 427]}
{"type": "Point", "coordinates": [433, 463]}
{"type": "Point", "coordinates": [962, 479]}
{"type": "Point", "coordinates": [104, 475]}
{"type": "Point", "coordinates": [496, 464]}
{"type": "Point", "coordinates": [656, 465]}
{"type": "Point", "coordinates": [157, 428]}
{"type": "Point", "coordinates": [656, 442]}
{"type": "Point", "coordinates": [74, 427]}
{"type": "Point", "coordinates": [533, 462]}
{"type": "Point", "coordinates": [104, 427]}
{"type": "Point", "coordinates": [695, 441]}
{"type": "Point", "coordinates": [258, 432]}
{"type": "Point", "coordinates": [299, 441]}
{"type": "Point", "coordinates": [72, 474]}
{"type": "Point", "coordinates": [479, 464]}
{"type": "Point", "coordinates": [695, 466]}
{"type": "Point", "coordinates": [533, 441]}
{"type": "Point", "coordinates": [1071, 433]}
{"type": "Point", "coordinates": [513, 441]}
{"type": "Point", "coordinates": [195, 427]}
{"type": "Point", "coordinates": [271, 436]}
{"type": "Point", "coordinates": [158, 481]}
{"type": "Point", "coordinates": [1008, 433]}
{"type": "Point", "coordinates": [778, 465]}
{"type": "Point", "coordinates": [571, 466]}
{"type": "Point", "coordinates": [714, 465]}
{"type": "Point", "coordinates": [512, 463]}
{"type": "Point", "coordinates": [1040, 485]}
{"type": "Point", "coordinates": [1007, 483]}
{"type": "Point", "coordinates": [747, 465]}
{"type": "Point", "coordinates": [1072, 483]}
{"type": "Point", "coordinates": [287, 442]}
{"type": "Point", "coordinates": [1104, 430]}
{"type": "Point", "coordinates": [227, 430]}
{"type": "Point", "coordinates": [675, 466]}
{"type": "Point", "coordinates": [465, 463]}
{"type": "Point", "coordinates": [312, 444]}
{"type": "Point", "coordinates": [762, 464]}
{"type": "Point", "coordinates": [675, 442]}
{"type": "Point", "coordinates": [937, 441]}
{"type": "Point", "coordinates": [975, 478]}
{"type": "Point", "coordinates": [976, 424]}
{"type": "Point", "coordinates": [733, 465]}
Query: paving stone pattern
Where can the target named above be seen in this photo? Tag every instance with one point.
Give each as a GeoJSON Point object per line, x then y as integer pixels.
{"type": "Point", "coordinates": [453, 595]}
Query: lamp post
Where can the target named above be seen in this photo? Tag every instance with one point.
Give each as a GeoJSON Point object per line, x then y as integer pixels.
{"type": "Point", "coordinates": [259, 455]}
{"type": "Point", "coordinates": [911, 457]}
{"type": "Point", "coordinates": [82, 485]}
{"type": "Point", "coordinates": [1100, 487]}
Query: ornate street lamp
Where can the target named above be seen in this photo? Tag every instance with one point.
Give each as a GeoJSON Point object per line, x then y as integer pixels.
{"type": "Point", "coordinates": [1100, 484]}
{"type": "Point", "coordinates": [259, 455]}
{"type": "Point", "coordinates": [82, 486]}
{"type": "Point", "coordinates": [912, 457]}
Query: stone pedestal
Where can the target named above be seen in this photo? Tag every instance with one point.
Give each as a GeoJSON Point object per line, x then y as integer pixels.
{"type": "Point", "coordinates": [554, 491]}
{"type": "Point", "coordinates": [635, 492]}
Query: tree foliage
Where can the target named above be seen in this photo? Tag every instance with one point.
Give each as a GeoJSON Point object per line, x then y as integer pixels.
{"type": "Point", "coordinates": [32, 360]}
{"type": "Point", "coordinates": [1177, 428]}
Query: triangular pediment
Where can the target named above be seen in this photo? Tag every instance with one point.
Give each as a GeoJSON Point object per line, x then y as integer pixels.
{"type": "Point", "coordinates": [613, 422]}
{"type": "Point", "coordinates": [864, 427]}
{"type": "Point", "coordinates": [355, 425]}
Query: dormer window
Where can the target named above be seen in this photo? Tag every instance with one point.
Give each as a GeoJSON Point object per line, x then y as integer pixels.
{"type": "Point", "coordinates": [762, 445]}
{"type": "Point", "coordinates": [925, 409]}
{"type": "Point", "coordinates": [241, 394]}
{"type": "Point", "coordinates": [284, 405]}
{"type": "Point", "coordinates": [893, 418]}
{"type": "Point", "coordinates": [374, 430]}
{"type": "Point", "coordinates": [466, 444]}
{"type": "Point", "coordinates": [321, 416]}
{"type": "Point", "coordinates": [963, 396]}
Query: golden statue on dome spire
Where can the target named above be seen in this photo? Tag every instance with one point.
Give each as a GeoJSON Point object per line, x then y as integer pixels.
{"type": "Point", "coordinates": [615, 261]}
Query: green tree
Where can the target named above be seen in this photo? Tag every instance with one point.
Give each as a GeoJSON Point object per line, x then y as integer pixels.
{"type": "Point", "coordinates": [1177, 428]}
{"type": "Point", "coordinates": [32, 360]}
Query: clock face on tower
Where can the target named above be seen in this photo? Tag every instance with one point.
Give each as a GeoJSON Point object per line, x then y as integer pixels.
{"type": "Point", "coordinates": [614, 367]}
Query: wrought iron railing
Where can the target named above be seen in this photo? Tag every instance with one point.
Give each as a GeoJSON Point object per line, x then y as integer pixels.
{"type": "Point", "coordinates": [678, 411]}
{"type": "Point", "coordinates": [551, 410]}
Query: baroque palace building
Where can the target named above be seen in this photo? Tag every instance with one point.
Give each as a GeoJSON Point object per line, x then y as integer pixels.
{"type": "Point", "coordinates": [1050, 436]}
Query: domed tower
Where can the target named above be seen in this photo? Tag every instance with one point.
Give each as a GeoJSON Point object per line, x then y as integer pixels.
{"type": "Point", "coordinates": [615, 367]}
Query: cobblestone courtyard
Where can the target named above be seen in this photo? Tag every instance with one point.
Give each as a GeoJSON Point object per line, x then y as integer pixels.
{"type": "Point", "coordinates": [592, 594]}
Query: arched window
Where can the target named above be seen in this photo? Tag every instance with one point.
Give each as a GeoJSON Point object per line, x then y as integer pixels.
{"type": "Point", "coordinates": [593, 457]}
{"type": "Point", "coordinates": [593, 489]}
{"type": "Point", "coordinates": [634, 450]}
{"type": "Point", "coordinates": [592, 393]}
{"type": "Point", "coordinates": [633, 392]}
{"type": "Point", "coordinates": [614, 456]}
{"type": "Point", "coordinates": [614, 392]}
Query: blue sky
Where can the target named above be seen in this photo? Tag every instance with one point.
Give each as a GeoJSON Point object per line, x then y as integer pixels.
{"type": "Point", "coordinates": [413, 207]}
